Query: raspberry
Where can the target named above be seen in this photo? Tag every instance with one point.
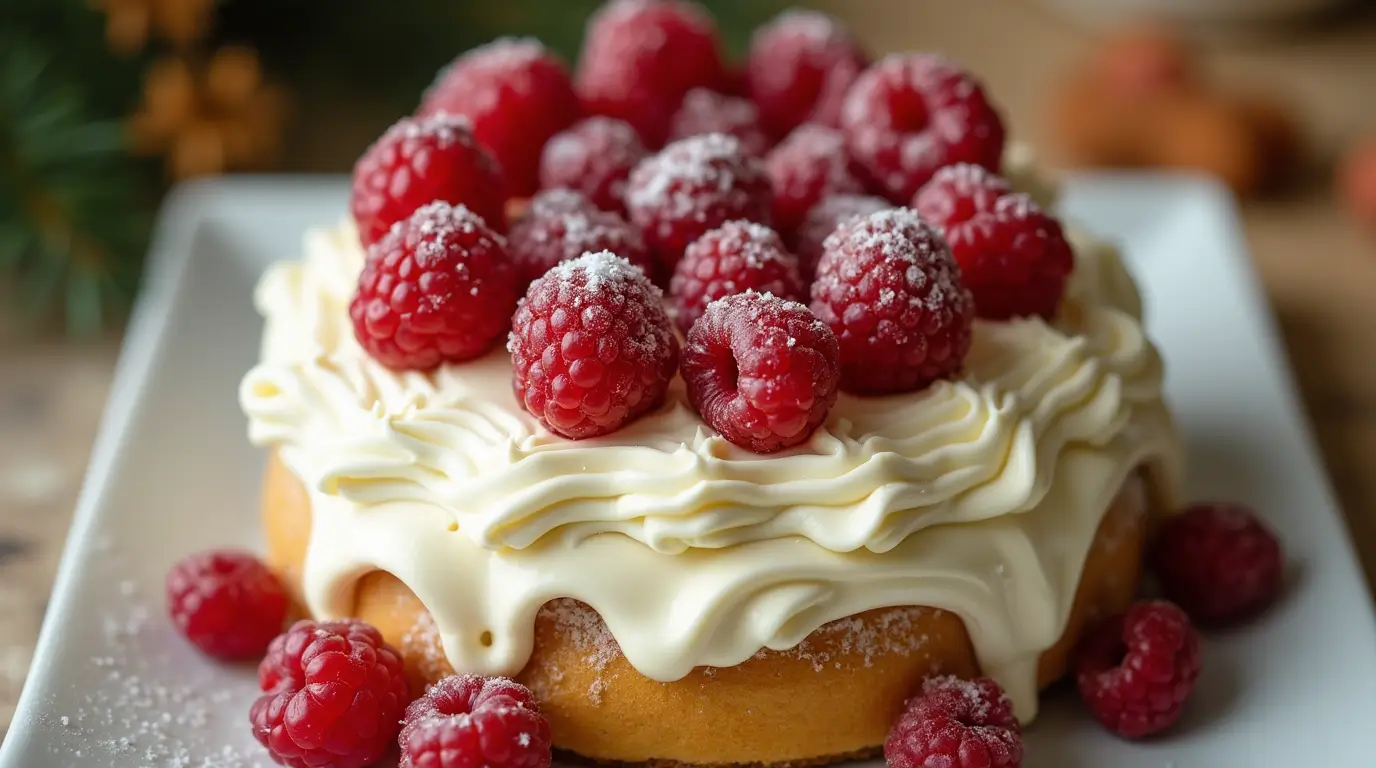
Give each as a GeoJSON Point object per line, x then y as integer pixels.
{"type": "Point", "coordinates": [910, 114]}
{"type": "Point", "coordinates": [1219, 563]}
{"type": "Point", "coordinates": [227, 603]}
{"type": "Point", "coordinates": [890, 290]}
{"type": "Point", "coordinates": [641, 56]}
{"type": "Point", "coordinates": [333, 694]}
{"type": "Point", "coordinates": [761, 370]}
{"type": "Point", "coordinates": [438, 288]}
{"type": "Point", "coordinates": [561, 224]}
{"type": "Point", "coordinates": [806, 168]}
{"type": "Point", "coordinates": [418, 161]}
{"type": "Point", "coordinates": [800, 67]}
{"type": "Point", "coordinates": [465, 721]}
{"type": "Point", "coordinates": [692, 186]}
{"type": "Point", "coordinates": [517, 94]}
{"type": "Point", "coordinates": [823, 219]}
{"type": "Point", "coordinates": [1012, 255]}
{"type": "Point", "coordinates": [736, 257]}
{"type": "Point", "coordinates": [1136, 671]}
{"type": "Point", "coordinates": [591, 346]}
{"type": "Point", "coordinates": [595, 157]}
{"type": "Point", "coordinates": [705, 111]}
{"type": "Point", "coordinates": [956, 724]}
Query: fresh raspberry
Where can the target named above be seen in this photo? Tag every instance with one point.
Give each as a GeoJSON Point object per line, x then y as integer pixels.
{"type": "Point", "coordinates": [761, 370]}
{"type": "Point", "coordinates": [1012, 254]}
{"type": "Point", "coordinates": [465, 721]}
{"type": "Point", "coordinates": [226, 602]}
{"type": "Point", "coordinates": [1219, 563]}
{"type": "Point", "coordinates": [692, 186]}
{"type": "Point", "coordinates": [591, 346]}
{"type": "Point", "coordinates": [438, 288]}
{"type": "Point", "coordinates": [706, 111]}
{"type": "Point", "coordinates": [736, 257]}
{"type": "Point", "coordinates": [595, 157]}
{"type": "Point", "coordinates": [333, 695]}
{"type": "Point", "coordinates": [800, 67]}
{"type": "Point", "coordinates": [823, 219]}
{"type": "Point", "coordinates": [1136, 671]}
{"type": "Point", "coordinates": [910, 114]}
{"type": "Point", "coordinates": [641, 56]}
{"type": "Point", "coordinates": [956, 723]}
{"type": "Point", "coordinates": [517, 94]}
{"type": "Point", "coordinates": [890, 290]}
{"type": "Point", "coordinates": [418, 161]}
{"type": "Point", "coordinates": [561, 224]}
{"type": "Point", "coordinates": [807, 167]}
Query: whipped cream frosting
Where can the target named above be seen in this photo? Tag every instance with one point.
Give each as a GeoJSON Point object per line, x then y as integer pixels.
{"type": "Point", "coordinates": [980, 496]}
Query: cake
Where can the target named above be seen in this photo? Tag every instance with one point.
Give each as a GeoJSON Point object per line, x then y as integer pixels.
{"type": "Point", "coordinates": [671, 597]}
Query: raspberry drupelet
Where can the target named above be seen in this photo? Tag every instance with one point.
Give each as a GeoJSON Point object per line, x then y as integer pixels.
{"type": "Point", "coordinates": [1136, 671]}
{"type": "Point", "coordinates": [800, 66]}
{"type": "Point", "coordinates": [594, 156]}
{"type": "Point", "coordinates": [592, 348]}
{"type": "Point", "coordinates": [438, 288]}
{"type": "Point", "coordinates": [418, 161]}
{"type": "Point", "coordinates": [226, 602]}
{"type": "Point", "coordinates": [692, 186]}
{"type": "Point", "coordinates": [1012, 254]}
{"type": "Point", "coordinates": [823, 219]}
{"type": "Point", "coordinates": [736, 257]}
{"type": "Point", "coordinates": [560, 224]}
{"type": "Point", "coordinates": [1219, 563]}
{"type": "Point", "coordinates": [464, 721]}
{"type": "Point", "coordinates": [762, 371]}
{"type": "Point", "coordinates": [517, 94]}
{"type": "Point", "coordinates": [706, 111]}
{"type": "Point", "coordinates": [641, 56]}
{"type": "Point", "coordinates": [333, 694]}
{"type": "Point", "coordinates": [806, 168]}
{"type": "Point", "coordinates": [890, 290]}
{"type": "Point", "coordinates": [956, 724]}
{"type": "Point", "coordinates": [911, 114]}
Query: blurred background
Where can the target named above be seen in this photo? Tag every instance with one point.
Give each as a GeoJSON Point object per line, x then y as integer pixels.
{"type": "Point", "coordinates": [105, 104]}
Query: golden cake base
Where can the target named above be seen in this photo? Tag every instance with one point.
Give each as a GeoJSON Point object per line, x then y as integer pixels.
{"type": "Point", "coordinates": [832, 698]}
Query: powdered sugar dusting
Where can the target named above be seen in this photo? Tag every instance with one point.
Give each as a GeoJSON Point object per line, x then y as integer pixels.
{"type": "Point", "coordinates": [815, 26]}
{"type": "Point", "coordinates": [446, 129]}
{"type": "Point", "coordinates": [712, 161]}
{"type": "Point", "coordinates": [601, 272]}
{"type": "Point", "coordinates": [861, 639]}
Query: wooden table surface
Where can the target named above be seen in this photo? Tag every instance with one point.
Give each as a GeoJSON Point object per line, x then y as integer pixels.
{"type": "Point", "coordinates": [1319, 269]}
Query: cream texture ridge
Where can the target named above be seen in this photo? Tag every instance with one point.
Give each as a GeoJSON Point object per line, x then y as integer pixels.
{"type": "Point", "coordinates": [979, 496]}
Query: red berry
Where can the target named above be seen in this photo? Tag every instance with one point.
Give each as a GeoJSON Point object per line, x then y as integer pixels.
{"type": "Point", "coordinates": [641, 56]}
{"type": "Point", "coordinates": [517, 94]}
{"type": "Point", "coordinates": [706, 111]}
{"type": "Point", "coordinates": [418, 161]}
{"type": "Point", "coordinates": [1219, 563]}
{"type": "Point", "coordinates": [595, 157]}
{"type": "Point", "coordinates": [465, 721]}
{"type": "Point", "coordinates": [956, 723]}
{"type": "Point", "coordinates": [591, 346]}
{"type": "Point", "coordinates": [692, 186]}
{"type": "Point", "coordinates": [561, 224]}
{"type": "Point", "coordinates": [890, 290]}
{"type": "Point", "coordinates": [761, 370]}
{"type": "Point", "coordinates": [807, 167]}
{"type": "Point", "coordinates": [799, 69]}
{"type": "Point", "coordinates": [910, 114]}
{"type": "Point", "coordinates": [227, 603]}
{"type": "Point", "coordinates": [333, 695]}
{"type": "Point", "coordinates": [438, 288]}
{"type": "Point", "coordinates": [736, 257]}
{"type": "Point", "coordinates": [1136, 671]}
{"type": "Point", "coordinates": [1013, 255]}
{"type": "Point", "coordinates": [823, 219]}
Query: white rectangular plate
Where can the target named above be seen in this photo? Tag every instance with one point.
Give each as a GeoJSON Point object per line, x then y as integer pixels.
{"type": "Point", "coordinates": [112, 685]}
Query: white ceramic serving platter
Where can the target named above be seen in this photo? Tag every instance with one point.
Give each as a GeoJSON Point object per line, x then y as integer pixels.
{"type": "Point", "coordinates": [113, 686]}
